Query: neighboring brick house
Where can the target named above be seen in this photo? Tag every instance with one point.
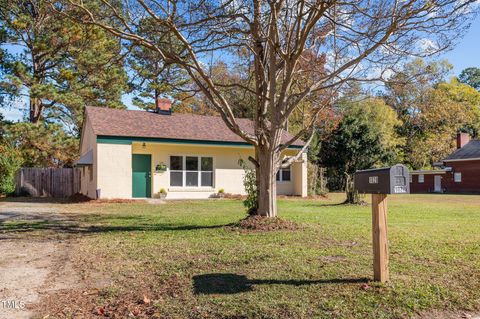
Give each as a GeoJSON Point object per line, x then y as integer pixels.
{"type": "Point", "coordinates": [459, 172]}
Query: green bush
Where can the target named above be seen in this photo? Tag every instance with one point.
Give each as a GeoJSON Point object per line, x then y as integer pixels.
{"type": "Point", "coordinates": [250, 184]}
{"type": "Point", "coordinates": [10, 162]}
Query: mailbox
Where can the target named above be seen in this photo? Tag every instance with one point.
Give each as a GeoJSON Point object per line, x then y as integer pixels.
{"type": "Point", "coordinates": [388, 180]}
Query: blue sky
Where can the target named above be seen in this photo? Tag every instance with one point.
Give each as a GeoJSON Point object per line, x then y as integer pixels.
{"type": "Point", "coordinates": [465, 54]}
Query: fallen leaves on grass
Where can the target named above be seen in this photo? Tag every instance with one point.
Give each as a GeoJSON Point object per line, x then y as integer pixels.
{"type": "Point", "coordinates": [365, 286]}
{"type": "Point", "coordinates": [80, 198]}
{"type": "Point", "coordinates": [260, 224]}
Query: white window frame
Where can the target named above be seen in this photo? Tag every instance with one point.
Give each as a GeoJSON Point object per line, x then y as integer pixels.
{"type": "Point", "coordinates": [185, 171]}
{"type": "Point", "coordinates": [457, 177]}
{"type": "Point", "coordinates": [421, 178]}
{"type": "Point", "coordinates": [280, 172]}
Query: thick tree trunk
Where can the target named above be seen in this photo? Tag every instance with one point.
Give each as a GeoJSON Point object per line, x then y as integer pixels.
{"type": "Point", "coordinates": [266, 183]}
{"type": "Point", "coordinates": [35, 110]}
{"type": "Point", "coordinates": [36, 106]}
{"type": "Point", "coordinates": [353, 197]}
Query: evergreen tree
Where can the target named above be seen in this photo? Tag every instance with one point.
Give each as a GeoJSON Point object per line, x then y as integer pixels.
{"type": "Point", "coordinates": [42, 144]}
{"type": "Point", "coordinates": [153, 78]}
{"type": "Point", "coordinates": [10, 160]}
{"type": "Point", "coordinates": [56, 65]}
{"type": "Point", "coordinates": [471, 76]}
{"type": "Point", "coordinates": [352, 146]}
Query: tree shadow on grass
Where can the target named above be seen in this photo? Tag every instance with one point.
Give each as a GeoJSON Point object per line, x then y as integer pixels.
{"type": "Point", "coordinates": [227, 283]}
{"type": "Point", "coordinates": [37, 200]}
{"type": "Point", "coordinates": [61, 227]}
{"type": "Point", "coordinates": [16, 223]}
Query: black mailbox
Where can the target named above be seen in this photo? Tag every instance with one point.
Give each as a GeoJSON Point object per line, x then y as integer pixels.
{"type": "Point", "coordinates": [388, 180]}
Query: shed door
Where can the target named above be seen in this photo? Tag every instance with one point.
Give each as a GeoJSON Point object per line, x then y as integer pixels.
{"type": "Point", "coordinates": [141, 175]}
{"type": "Point", "coordinates": [438, 183]}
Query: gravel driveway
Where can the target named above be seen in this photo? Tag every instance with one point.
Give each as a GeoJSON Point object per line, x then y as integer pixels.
{"type": "Point", "coordinates": [34, 261]}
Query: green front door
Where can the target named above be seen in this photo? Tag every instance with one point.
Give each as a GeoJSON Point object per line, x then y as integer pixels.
{"type": "Point", "coordinates": [141, 172]}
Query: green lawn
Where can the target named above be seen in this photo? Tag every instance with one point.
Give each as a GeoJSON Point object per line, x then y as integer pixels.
{"type": "Point", "coordinates": [183, 258]}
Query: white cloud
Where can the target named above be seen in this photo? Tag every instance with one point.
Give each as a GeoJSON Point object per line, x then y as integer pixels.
{"type": "Point", "coordinates": [427, 46]}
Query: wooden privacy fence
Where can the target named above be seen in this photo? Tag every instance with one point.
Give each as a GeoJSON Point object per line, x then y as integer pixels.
{"type": "Point", "coordinates": [47, 182]}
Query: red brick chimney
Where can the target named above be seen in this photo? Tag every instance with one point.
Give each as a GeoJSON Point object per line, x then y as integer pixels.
{"type": "Point", "coordinates": [163, 106]}
{"type": "Point", "coordinates": [462, 139]}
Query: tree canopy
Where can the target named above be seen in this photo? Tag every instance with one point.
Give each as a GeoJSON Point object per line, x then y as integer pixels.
{"type": "Point", "coordinates": [294, 50]}
{"type": "Point", "coordinates": [365, 137]}
{"type": "Point", "coordinates": [432, 111]}
{"type": "Point", "coordinates": [57, 66]}
{"type": "Point", "coordinates": [471, 76]}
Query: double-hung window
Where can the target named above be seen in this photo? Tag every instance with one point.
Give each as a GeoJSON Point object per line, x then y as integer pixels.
{"type": "Point", "coordinates": [421, 178]}
{"type": "Point", "coordinates": [457, 177]}
{"type": "Point", "coordinates": [191, 171]}
{"type": "Point", "coordinates": [284, 175]}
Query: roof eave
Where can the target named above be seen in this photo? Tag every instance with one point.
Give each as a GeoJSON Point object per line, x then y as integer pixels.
{"type": "Point", "coordinates": [110, 139]}
{"type": "Point", "coordinates": [462, 159]}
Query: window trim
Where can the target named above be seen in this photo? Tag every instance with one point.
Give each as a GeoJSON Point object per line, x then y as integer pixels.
{"type": "Point", "coordinates": [280, 172]}
{"type": "Point", "coordinates": [185, 171]}
{"type": "Point", "coordinates": [455, 177]}
{"type": "Point", "coordinates": [422, 180]}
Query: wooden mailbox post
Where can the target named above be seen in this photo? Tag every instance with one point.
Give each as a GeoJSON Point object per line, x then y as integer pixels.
{"type": "Point", "coordinates": [379, 183]}
{"type": "Point", "coordinates": [379, 235]}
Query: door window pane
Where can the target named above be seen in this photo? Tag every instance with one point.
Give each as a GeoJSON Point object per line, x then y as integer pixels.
{"type": "Point", "coordinates": [207, 178]}
{"type": "Point", "coordinates": [192, 179]}
{"type": "Point", "coordinates": [286, 174]}
{"type": "Point", "coordinates": [192, 163]}
{"type": "Point", "coordinates": [176, 178]}
{"type": "Point", "coordinates": [207, 164]}
{"type": "Point", "coordinates": [176, 163]}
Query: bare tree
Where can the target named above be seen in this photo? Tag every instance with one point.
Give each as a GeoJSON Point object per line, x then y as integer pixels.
{"type": "Point", "coordinates": [357, 40]}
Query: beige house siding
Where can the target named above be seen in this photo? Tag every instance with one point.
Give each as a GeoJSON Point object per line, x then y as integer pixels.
{"type": "Point", "coordinates": [88, 180]}
{"type": "Point", "coordinates": [114, 170]}
{"type": "Point", "coordinates": [227, 173]}
{"type": "Point", "coordinates": [111, 172]}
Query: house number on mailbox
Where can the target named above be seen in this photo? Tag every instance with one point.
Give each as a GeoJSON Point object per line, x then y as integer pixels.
{"type": "Point", "coordinates": [373, 180]}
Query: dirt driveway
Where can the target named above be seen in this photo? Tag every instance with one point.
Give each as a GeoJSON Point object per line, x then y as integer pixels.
{"type": "Point", "coordinates": [34, 261]}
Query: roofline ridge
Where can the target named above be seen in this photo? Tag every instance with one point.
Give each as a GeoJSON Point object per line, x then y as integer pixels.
{"type": "Point", "coordinates": [173, 113]}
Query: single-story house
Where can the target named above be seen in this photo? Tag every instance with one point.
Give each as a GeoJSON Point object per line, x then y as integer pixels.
{"type": "Point", "coordinates": [458, 173]}
{"type": "Point", "coordinates": [135, 154]}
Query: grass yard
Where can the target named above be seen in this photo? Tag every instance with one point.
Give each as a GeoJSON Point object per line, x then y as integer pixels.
{"type": "Point", "coordinates": [180, 260]}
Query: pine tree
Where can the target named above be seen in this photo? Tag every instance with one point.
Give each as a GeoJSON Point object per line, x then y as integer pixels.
{"type": "Point", "coordinates": [153, 78]}
{"type": "Point", "coordinates": [57, 66]}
